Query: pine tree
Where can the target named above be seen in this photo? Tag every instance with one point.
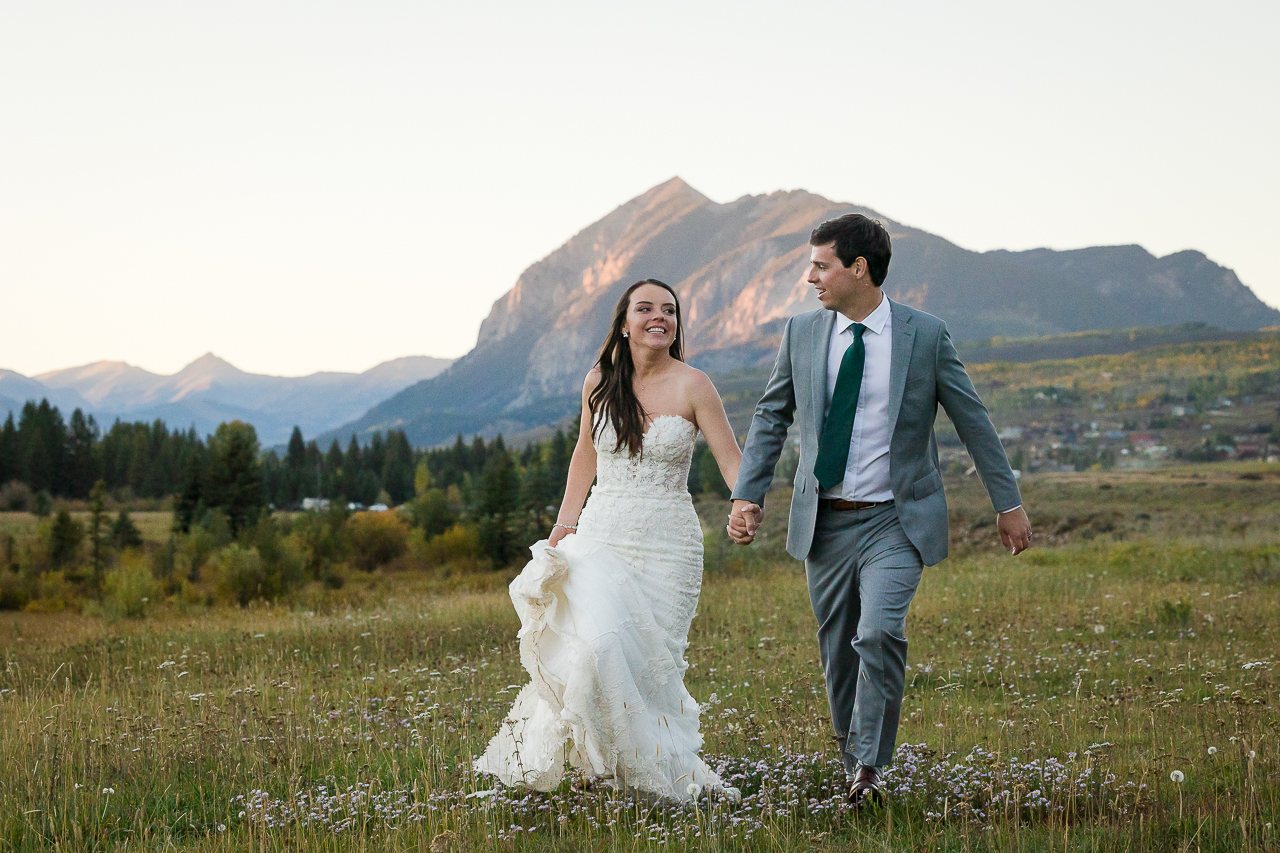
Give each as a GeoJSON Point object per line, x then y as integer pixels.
{"type": "Point", "coordinates": [8, 451]}
{"type": "Point", "coordinates": [558, 455]}
{"type": "Point", "coordinates": [82, 438]}
{"type": "Point", "coordinates": [97, 511]}
{"type": "Point", "coordinates": [234, 480]}
{"type": "Point", "coordinates": [65, 537]}
{"type": "Point", "coordinates": [190, 503]}
{"type": "Point", "coordinates": [124, 533]}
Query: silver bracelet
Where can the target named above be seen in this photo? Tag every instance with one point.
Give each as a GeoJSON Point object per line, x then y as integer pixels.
{"type": "Point", "coordinates": [572, 527]}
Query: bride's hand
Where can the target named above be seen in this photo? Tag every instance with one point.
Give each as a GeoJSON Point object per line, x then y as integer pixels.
{"type": "Point", "coordinates": [559, 532]}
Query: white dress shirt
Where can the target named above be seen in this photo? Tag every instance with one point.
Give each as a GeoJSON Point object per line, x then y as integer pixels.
{"type": "Point", "coordinates": [866, 474]}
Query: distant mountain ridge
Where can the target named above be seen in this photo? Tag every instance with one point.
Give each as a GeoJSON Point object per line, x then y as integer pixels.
{"type": "Point", "coordinates": [210, 390]}
{"type": "Point", "coordinates": [739, 270]}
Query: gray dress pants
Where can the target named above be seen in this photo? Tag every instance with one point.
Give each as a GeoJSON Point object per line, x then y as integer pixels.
{"type": "Point", "coordinates": [862, 573]}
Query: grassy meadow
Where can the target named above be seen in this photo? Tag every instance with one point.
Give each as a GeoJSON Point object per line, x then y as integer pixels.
{"type": "Point", "coordinates": [1052, 700]}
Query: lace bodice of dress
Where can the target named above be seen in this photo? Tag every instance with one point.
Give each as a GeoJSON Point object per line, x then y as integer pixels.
{"type": "Point", "coordinates": [662, 466]}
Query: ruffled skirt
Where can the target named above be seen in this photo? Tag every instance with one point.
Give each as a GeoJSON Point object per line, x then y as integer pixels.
{"type": "Point", "coordinates": [603, 633]}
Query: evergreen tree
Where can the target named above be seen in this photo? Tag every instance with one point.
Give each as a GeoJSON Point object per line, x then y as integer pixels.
{"type": "Point", "coordinates": [65, 537]}
{"type": "Point", "coordinates": [331, 482]}
{"type": "Point", "coordinates": [310, 483]}
{"type": "Point", "coordinates": [97, 511]}
{"type": "Point", "coordinates": [297, 456]}
{"type": "Point", "coordinates": [8, 451]}
{"type": "Point", "coordinates": [234, 482]}
{"type": "Point", "coordinates": [398, 467]}
{"type": "Point", "coordinates": [294, 477]}
{"type": "Point", "coordinates": [459, 463]}
{"type": "Point", "coordinates": [190, 503]}
{"type": "Point", "coordinates": [42, 441]}
{"type": "Point", "coordinates": [499, 493]}
{"type": "Point", "coordinates": [124, 533]}
{"type": "Point", "coordinates": [558, 455]}
{"type": "Point", "coordinates": [351, 468]}
{"type": "Point", "coordinates": [82, 439]}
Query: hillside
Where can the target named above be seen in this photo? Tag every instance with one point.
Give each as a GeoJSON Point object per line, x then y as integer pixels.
{"type": "Point", "coordinates": [739, 269]}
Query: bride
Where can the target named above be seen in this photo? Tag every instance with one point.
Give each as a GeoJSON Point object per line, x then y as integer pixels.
{"type": "Point", "coordinates": [606, 602]}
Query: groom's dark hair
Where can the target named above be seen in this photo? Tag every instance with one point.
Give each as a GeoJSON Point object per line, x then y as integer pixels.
{"type": "Point", "coordinates": [857, 236]}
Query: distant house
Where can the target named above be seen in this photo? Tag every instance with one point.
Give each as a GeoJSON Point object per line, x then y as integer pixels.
{"type": "Point", "coordinates": [1143, 441]}
{"type": "Point", "coordinates": [1248, 451]}
{"type": "Point", "coordinates": [315, 504]}
{"type": "Point", "coordinates": [1012, 433]}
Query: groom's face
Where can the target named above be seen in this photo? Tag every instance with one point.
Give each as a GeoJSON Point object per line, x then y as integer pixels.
{"type": "Point", "coordinates": [838, 286]}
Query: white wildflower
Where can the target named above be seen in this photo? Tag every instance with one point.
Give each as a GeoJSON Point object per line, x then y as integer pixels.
{"type": "Point", "coordinates": [1177, 776]}
{"type": "Point", "coordinates": [1213, 750]}
{"type": "Point", "coordinates": [108, 790]}
{"type": "Point", "coordinates": [694, 790]}
{"type": "Point", "coordinates": [1099, 629]}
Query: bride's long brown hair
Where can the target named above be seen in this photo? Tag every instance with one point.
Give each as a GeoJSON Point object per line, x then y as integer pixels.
{"type": "Point", "coordinates": [615, 398]}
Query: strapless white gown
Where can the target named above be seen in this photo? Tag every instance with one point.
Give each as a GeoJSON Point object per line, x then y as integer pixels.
{"type": "Point", "coordinates": [604, 628]}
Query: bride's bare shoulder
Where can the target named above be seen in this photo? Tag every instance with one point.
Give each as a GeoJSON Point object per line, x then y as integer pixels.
{"type": "Point", "coordinates": [593, 379]}
{"type": "Point", "coordinates": [694, 379]}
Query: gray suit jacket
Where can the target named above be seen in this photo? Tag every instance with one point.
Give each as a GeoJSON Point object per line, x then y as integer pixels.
{"type": "Point", "coordinates": [924, 373]}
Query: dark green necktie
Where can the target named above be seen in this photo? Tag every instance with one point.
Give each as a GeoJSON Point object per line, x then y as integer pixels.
{"type": "Point", "coordinates": [833, 450]}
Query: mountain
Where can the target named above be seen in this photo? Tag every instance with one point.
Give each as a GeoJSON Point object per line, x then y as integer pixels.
{"type": "Point", "coordinates": [210, 390]}
{"type": "Point", "coordinates": [16, 389]}
{"type": "Point", "coordinates": [739, 270]}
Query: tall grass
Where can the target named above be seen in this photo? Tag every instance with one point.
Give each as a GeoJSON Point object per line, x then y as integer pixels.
{"type": "Point", "coordinates": [1049, 700]}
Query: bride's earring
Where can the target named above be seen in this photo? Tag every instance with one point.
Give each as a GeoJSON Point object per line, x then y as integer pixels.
{"type": "Point", "coordinates": [626, 334]}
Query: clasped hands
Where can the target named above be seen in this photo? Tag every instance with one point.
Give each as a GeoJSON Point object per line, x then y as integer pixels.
{"type": "Point", "coordinates": [743, 522]}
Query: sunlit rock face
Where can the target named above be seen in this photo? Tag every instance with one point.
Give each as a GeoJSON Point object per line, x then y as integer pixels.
{"type": "Point", "coordinates": [739, 269]}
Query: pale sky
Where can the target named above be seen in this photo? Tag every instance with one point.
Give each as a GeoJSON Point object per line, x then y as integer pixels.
{"type": "Point", "coordinates": [322, 186]}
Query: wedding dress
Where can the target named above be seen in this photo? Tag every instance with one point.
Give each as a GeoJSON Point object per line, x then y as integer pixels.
{"type": "Point", "coordinates": [604, 624]}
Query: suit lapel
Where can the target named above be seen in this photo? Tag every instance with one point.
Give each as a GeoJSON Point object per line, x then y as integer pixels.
{"type": "Point", "coordinates": [822, 331]}
{"type": "Point", "coordinates": [904, 336]}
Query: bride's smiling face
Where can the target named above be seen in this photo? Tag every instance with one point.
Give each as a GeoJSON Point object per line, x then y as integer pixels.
{"type": "Point", "coordinates": [651, 317]}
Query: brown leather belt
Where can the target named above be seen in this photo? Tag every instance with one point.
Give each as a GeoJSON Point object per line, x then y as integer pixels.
{"type": "Point", "coordinates": [847, 506]}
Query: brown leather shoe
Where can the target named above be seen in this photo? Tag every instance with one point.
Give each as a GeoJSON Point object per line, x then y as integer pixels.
{"type": "Point", "coordinates": [866, 787]}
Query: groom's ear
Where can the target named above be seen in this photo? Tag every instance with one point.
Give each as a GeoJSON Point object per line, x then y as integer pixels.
{"type": "Point", "coordinates": [858, 267]}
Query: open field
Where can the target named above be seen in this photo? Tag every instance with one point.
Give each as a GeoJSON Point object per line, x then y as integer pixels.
{"type": "Point", "coordinates": [1050, 699]}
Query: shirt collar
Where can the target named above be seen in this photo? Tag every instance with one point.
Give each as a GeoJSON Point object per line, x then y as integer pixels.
{"type": "Point", "coordinates": [874, 321]}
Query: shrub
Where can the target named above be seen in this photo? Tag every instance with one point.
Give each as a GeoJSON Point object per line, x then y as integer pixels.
{"type": "Point", "coordinates": [244, 578]}
{"type": "Point", "coordinates": [376, 538]}
{"type": "Point", "coordinates": [130, 588]}
{"type": "Point", "coordinates": [42, 504]}
{"type": "Point", "coordinates": [15, 497]}
{"type": "Point", "coordinates": [431, 512]}
{"type": "Point", "coordinates": [196, 551]}
{"type": "Point", "coordinates": [459, 545]}
{"type": "Point", "coordinates": [14, 591]}
{"type": "Point", "coordinates": [280, 554]}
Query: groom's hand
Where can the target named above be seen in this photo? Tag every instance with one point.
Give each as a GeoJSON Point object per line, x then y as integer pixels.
{"type": "Point", "coordinates": [743, 521]}
{"type": "Point", "coordinates": [1015, 530]}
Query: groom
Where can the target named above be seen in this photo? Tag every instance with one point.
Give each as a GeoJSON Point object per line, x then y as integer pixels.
{"type": "Point", "coordinates": [864, 378]}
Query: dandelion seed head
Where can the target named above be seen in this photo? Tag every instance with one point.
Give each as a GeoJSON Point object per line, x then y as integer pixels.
{"type": "Point", "coordinates": [1177, 776]}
